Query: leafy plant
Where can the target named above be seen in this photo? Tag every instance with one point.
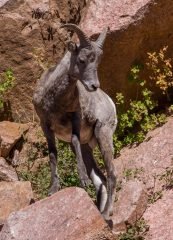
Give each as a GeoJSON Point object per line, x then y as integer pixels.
{"type": "Point", "coordinates": [40, 180]}
{"type": "Point", "coordinates": [167, 177]}
{"type": "Point", "coordinates": [136, 231]}
{"type": "Point", "coordinates": [67, 169]}
{"type": "Point", "coordinates": [161, 70]}
{"type": "Point", "coordinates": [154, 196]}
{"type": "Point", "coordinates": [170, 110]}
{"type": "Point", "coordinates": [139, 118]}
{"type": "Point", "coordinates": [7, 80]}
{"type": "Point", "coordinates": [67, 166]}
{"type": "Point", "coordinates": [132, 173]}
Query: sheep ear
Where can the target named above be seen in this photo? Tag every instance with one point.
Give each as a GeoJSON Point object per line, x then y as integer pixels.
{"type": "Point", "coordinates": [71, 46]}
{"type": "Point", "coordinates": [101, 39]}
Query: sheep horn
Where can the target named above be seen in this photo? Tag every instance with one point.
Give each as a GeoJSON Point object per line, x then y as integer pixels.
{"type": "Point", "coordinates": [84, 40]}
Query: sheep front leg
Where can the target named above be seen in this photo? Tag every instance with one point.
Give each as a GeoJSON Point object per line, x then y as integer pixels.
{"type": "Point", "coordinates": [84, 180]}
{"type": "Point", "coordinates": [50, 137]}
{"type": "Point", "coordinates": [104, 135]}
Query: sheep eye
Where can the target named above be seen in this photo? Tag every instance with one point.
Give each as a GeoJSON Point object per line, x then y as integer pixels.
{"type": "Point", "coordinates": [81, 60]}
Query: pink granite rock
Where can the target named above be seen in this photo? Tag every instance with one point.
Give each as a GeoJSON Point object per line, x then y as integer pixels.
{"type": "Point", "coordinates": [136, 27]}
{"type": "Point", "coordinates": [150, 158]}
{"type": "Point", "coordinates": [131, 204]}
{"type": "Point", "coordinates": [69, 214]}
{"type": "Point", "coordinates": [159, 217]}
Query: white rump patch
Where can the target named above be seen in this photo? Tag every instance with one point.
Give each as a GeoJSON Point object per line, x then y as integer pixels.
{"type": "Point", "coordinates": [98, 183]}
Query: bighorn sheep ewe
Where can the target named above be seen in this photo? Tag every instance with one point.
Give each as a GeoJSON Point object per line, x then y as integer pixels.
{"type": "Point", "coordinates": [71, 106]}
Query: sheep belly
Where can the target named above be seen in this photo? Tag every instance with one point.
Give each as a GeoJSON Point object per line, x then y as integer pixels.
{"type": "Point", "coordinates": [63, 130]}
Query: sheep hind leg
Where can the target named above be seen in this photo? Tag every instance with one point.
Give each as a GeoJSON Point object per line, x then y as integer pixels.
{"type": "Point", "coordinates": [76, 147]}
{"type": "Point", "coordinates": [104, 138]}
{"type": "Point", "coordinates": [50, 137]}
{"type": "Point", "coordinates": [95, 175]}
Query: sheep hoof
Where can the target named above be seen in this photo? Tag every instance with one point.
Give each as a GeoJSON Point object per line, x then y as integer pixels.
{"type": "Point", "coordinates": [84, 182]}
{"type": "Point", "coordinates": [53, 189]}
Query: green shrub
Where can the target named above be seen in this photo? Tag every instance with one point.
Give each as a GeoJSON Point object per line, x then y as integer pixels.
{"type": "Point", "coordinates": [167, 178]}
{"type": "Point", "coordinates": [67, 170]}
{"type": "Point", "coordinates": [40, 180]}
{"type": "Point", "coordinates": [67, 166]}
{"type": "Point", "coordinates": [139, 118]}
{"type": "Point", "coordinates": [137, 231]}
{"type": "Point", "coordinates": [132, 173]}
{"type": "Point", "coordinates": [7, 80]}
{"type": "Point", "coordinates": [154, 196]}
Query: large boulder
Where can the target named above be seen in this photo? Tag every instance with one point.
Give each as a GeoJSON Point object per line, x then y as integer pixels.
{"type": "Point", "coordinates": [136, 27]}
{"type": "Point", "coordinates": [10, 133]}
{"type": "Point", "coordinates": [150, 159]}
{"type": "Point", "coordinates": [69, 214]}
{"type": "Point", "coordinates": [130, 206]}
{"type": "Point", "coordinates": [159, 217]}
{"type": "Point", "coordinates": [27, 47]}
{"type": "Point", "coordinates": [151, 163]}
{"type": "Point", "coordinates": [13, 196]}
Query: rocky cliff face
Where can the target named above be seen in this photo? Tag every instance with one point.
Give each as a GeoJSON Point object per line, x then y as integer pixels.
{"type": "Point", "coordinates": [136, 27]}
{"type": "Point", "coordinates": [30, 40]}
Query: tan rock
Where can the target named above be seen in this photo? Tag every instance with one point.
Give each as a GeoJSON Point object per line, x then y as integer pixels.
{"type": "Point", "coordinates": [10, 133]}
{"type": "Point", "coordinates": [136, 27]}
{"type": "Point", "coordinates": [159, 217]}
{"type": "Point", "coordinates": [7, 172]}
{"type": "Point", "coordinates": [34, 149]}
{"type": "Point", "coordinates": [13, 196]}
{"type": "Point", "coordinates": [69, 214]}
{"type": "Point", "coordinates": [35, 135]}
{"type": "Point", "coordinates": [25, 46]}
{"type": "Point", "coordinates": [131, 204]}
